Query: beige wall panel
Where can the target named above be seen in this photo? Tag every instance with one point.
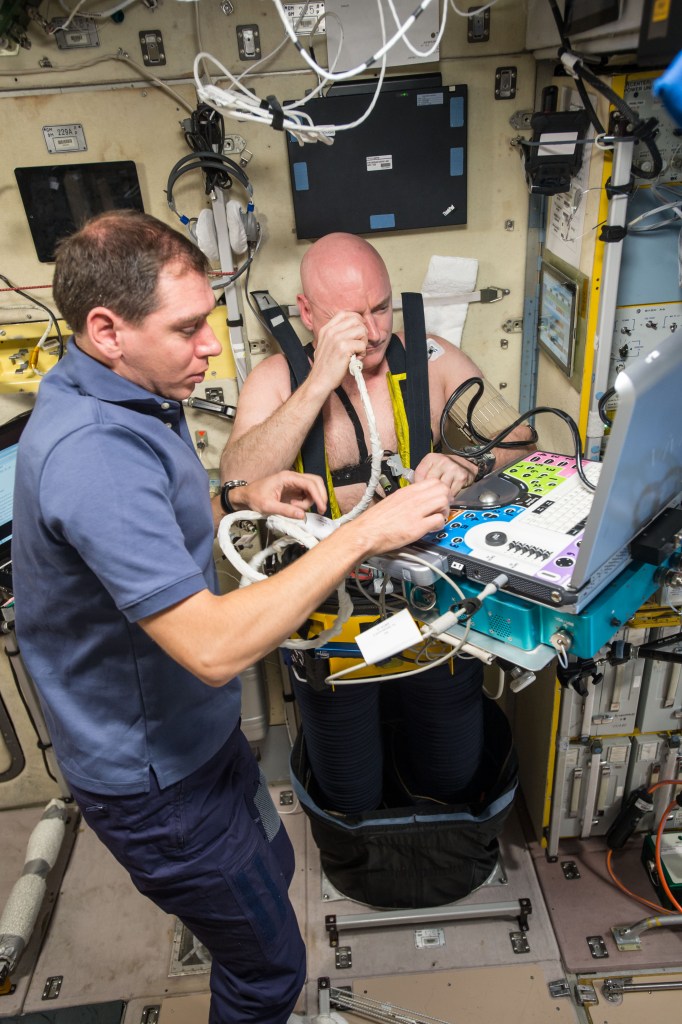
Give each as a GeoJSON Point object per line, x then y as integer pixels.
{"type": "Point", "coordinates": [497, 193]}
{"type": "Point", "coordinates": [553, 387]}
{"type": "Point", "coordinates": [188, 27]}
{"type": "Point", "coordinates": [32, 785]}
{"type": "Point", "coordinates": [135, 124]}
{"type": "Point", "coordinates": [141, 123]}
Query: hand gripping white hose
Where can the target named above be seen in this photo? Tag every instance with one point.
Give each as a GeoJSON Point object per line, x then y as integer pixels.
{"type": "Point", "coordinates": [294, 531]}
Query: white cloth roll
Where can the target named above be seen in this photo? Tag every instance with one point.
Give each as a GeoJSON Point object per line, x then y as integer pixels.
{"type": "Point", "coordinates": [448, 275]}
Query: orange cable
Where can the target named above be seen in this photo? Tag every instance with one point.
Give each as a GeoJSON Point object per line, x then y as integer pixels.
{"type": "Point", "coordinates": [659, 864]}
{"type": "Point", "coordinates": [624, 888]}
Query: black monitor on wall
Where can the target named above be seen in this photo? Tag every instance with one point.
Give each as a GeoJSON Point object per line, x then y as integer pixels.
{"type": "Point", "coordinates": [404, 167]}
{"type": "Point", "coordinates": [59, 198]}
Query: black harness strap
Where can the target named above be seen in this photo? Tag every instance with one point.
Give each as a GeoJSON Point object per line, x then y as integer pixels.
{"type": "Point", "coordinates": [416, 394]}
{"type": "Point", "coordinates": [312, 451]}
{"type": "Point", "coordinates": [410, 359]}
{"type": "Point", "coordinates": [363, 454]}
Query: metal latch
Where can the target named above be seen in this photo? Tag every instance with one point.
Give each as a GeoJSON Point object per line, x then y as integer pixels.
{"type": "Point", "coordinates": [597, 947]}
{"type": "Point", "coordinates": [585, 994]}
{"type": "Point", "coordinates": [53, 987]}
{"type": "Point", "coordinates": [519, 941]}
{"type": "Point", "coordinates": [559, 989]}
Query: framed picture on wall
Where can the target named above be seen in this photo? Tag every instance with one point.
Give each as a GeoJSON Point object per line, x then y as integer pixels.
{"type": "Point", "coordinates": [557, 316]}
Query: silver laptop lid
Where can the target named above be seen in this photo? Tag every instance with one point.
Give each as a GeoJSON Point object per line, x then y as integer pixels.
{"type": "Point", "coordinates": [642, 469]}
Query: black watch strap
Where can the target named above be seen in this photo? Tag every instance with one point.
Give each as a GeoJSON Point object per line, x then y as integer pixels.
{"type": "Point", "coordinates": [225, 503]}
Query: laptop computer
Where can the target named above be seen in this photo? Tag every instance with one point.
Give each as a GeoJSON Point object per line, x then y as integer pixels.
{"type": "Point", "coordinates": [10, 433]}
{"type": "Point", "coordinates": [558, 542]}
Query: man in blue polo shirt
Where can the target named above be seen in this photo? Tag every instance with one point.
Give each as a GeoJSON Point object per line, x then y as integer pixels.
{"type": "Point", "coordinates": [119, 618]}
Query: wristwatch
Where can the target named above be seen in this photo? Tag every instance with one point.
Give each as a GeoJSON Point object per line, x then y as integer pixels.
{"type": "Point", "coordinates": [484, 462]}
{"type": "Point", "coordinates": [225, 494]}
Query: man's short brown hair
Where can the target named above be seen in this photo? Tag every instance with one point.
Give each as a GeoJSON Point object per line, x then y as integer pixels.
{"type": "Point", "coordinates": [115, 260]}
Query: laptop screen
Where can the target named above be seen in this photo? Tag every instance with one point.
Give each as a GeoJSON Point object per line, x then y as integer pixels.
{"type": "Point", "coordinates": [10, 433]}
{"type": "Point", "coordinates": [642, 469]}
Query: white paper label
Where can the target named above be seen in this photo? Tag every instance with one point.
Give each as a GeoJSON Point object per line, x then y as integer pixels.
{"type": "Point", "coordinates": [380, 163]}
{"type": "Point", "coordinates": [557, 143]}
{"type": "Point", "coordinates": [388, 637]}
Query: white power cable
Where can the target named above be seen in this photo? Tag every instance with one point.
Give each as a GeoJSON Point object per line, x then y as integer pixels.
{"type": "Point", "coordinates": [430, 631]}
{"type": "Point", "coordinates": [247, 106]}
{"type": "Point", "coordinates": [436, 42]}
{"type": "Point", "coordinates": [340, 76]}
{"type": "Point", "coordinates": [455, 644]}
{"type": "Point", "coordinates": [295, 532]}
{"type": "Point", "coordinates": [241, 103]}
{"type": "Point", "coordinates": [675, 206]}
{"type": "Point", "coordinates": [72, 12]}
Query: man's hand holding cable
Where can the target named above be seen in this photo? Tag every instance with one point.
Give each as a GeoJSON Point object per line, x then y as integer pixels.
{"type": "Point", "coordinates": [403, 517]}
{"type": "Point", "coordinates": [343, 336]}
{"type": "Point", "coordinates": [451, 470]}
{"type": "Point", "coordinates": [283, 494]}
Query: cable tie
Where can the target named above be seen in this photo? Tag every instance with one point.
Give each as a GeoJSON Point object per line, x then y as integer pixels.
{"type": "Point", "coordinates": [275, 109]}
{"type": "Point", "coordinates": [612, 233]}
{"type": "Point", "coordinates": [470, 606]}
{"type": "Point", "coordinates": [620, 190]}
{"type": "Point", "coordinates": [239, 322]}
{"type": "Point", "coordinates": [646, 130]}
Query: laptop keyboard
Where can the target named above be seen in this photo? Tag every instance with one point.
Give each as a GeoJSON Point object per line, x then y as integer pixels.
{"type": "Point", "coordinates": [569, 514]}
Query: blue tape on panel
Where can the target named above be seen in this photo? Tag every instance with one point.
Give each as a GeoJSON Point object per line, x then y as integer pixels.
{"type": "Point", "coordinates": [381, 221]}
{"type": "Point", "coordinates": [301, 176]}
{"type": "Point", "coordinates": [456, 161]}
{"type": "Point", "coordinates": [456, 111]}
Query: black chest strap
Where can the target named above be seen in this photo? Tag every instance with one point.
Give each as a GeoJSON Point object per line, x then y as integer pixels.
{"type": "Point", "coordinates": [416, 392]}
{"type": "Point", "coordinates": [410, 359]}
{"type": "Point", "coordinates": [312, 452]}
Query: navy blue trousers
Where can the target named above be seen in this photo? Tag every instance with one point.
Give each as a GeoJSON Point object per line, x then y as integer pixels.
{"type": "Point", "coordinates": [211, 851]}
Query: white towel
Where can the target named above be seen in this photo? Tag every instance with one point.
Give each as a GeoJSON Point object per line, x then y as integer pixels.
{"type": "Point", "coordinates": [448, 275]}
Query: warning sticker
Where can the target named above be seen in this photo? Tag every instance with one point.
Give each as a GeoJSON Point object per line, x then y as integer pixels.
{"type": "Point", "coordinates": [380, 163]}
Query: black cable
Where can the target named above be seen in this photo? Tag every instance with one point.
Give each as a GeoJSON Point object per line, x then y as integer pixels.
{"type": "Point", "coordinates": [601, 406]}
{"type": "Point", "coordinates": [674, 657]}
{"type": "Point", "coordinates": [487, 444]}
{"type": "Point", "coordinates": [41, 745]}
{"type": "Point", "coordinates": [582, 91]}
{"type": "Point", "coordinates": [254, 309]}
{"type": "Point", "coordinates": [560, 24]}
{"type": "Point", "coordinates": [642, 130]}
{"type": "Point", "coordinates": [52, 316]}
{"type": "Point", "coordinates": [206, 134]}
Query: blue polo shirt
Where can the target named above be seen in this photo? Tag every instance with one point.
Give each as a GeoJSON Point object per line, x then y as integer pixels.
{"type": "Point", "coordinates": [112, 523]}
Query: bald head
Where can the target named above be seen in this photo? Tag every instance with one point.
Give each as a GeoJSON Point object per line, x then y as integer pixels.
{"type": "Point", "coordinates": [337, 263]}
{"type": "Point", "coordinates": [343, 274]}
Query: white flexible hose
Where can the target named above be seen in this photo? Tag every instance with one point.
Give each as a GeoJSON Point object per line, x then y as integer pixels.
{"type": "Point", "coordinates": [293, 531]}
{"type": "Point", "coordinates": [355, 369]}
